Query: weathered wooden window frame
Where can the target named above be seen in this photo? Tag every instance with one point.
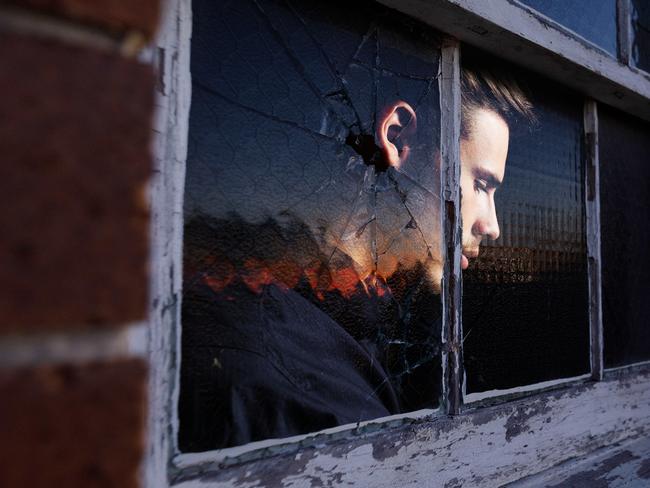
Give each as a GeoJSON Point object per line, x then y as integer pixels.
{"type": "Point", "coordinates": [490, 438]}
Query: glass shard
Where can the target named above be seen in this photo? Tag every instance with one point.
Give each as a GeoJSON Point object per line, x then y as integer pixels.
{"type": "Point", "coordinates": [311, 242]}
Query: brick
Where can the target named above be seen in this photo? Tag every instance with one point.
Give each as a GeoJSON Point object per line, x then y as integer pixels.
{"type": "Point", "coordinates": [72, 425]}
{"type": "Point", "coordinates": [120, 15]}
{"type": "Point", "coordinates": [75, 143]}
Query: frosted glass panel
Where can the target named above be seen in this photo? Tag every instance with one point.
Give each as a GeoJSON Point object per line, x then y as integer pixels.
{"type": "Point", "coordinates": [594, 20]}
{"type": "Point", "coordinates": [525, 301]}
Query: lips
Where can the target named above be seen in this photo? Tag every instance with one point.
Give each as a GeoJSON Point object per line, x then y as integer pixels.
{"type": "Point", "coordinates": [466, 256]}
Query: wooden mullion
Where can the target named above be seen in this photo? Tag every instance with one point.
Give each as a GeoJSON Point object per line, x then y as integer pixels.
{"type": "Point", "coordinates": [592, 204]}
{"type": "Point", "coordinates": [624, 29]}
{"type": "Point", "coordinates": [450, 106]}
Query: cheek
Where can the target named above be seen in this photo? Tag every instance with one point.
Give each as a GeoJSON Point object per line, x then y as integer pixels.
{"type": "Point", "coordinates": [466, 185]}
{"type": "Point", "coordinates": [468, 215]}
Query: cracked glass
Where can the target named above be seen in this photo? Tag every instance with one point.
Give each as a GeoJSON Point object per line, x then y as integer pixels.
{"type": "Point", "coordinates": [594, 20]}
{"type": "Point", "coordinates": [625, 205]}
{"type": "Point", "coordinates": [525, 295]}
{"type": "Point", "coordinates": [311, 256]}
{"type": "Point", "coordinates": [640, 20]}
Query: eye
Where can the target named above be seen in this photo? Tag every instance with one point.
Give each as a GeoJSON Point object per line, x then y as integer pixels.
{"type": "Point", "coordinates": [480, 185]}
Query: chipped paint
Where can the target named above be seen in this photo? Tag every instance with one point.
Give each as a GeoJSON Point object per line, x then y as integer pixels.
{"type": "Point", "coordinates": [170, 127]}
{"type": "Point", "coordinates": [488, 446]}
{"type": "Point", "coordinates": [618, 466]}
{"type": "Point", "coordinates": [644, 470]}
{"type": "Point", "coordinates": [517, 423]}
{"type": "Point", "coordinates": [592, 177]}
{"type": "Point", "coordinates": [383, 449]}
{"type": "Point", "coordinates": [450, 102]}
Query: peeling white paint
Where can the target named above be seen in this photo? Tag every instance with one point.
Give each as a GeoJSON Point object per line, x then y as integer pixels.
{"type": "Point", "coordinates": [452, 334]}
{"type": "Point", "coordinates": [483, 395]}
{"type": "Point", "coordinates": [628, 366]}
{"type": "Point", "coordinates": [592, 208]}
{"type": "Point", "coordinates": [485, 447]}
{"type": "Point", "coordinates": [313, 438]}
{"type": "Point", "coordinates": [624, 466]}
{"type": "Point", "coordinates": [170, 127]}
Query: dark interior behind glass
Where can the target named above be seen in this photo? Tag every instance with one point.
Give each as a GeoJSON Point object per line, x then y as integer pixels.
{"type": "Point", "coordinates": [625, 230]}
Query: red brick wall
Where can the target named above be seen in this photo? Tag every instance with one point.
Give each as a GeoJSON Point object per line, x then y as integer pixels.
{"type": "Point", "coordinates": [116, 15]}
{"type": "Point", "coordinates": [75, 130]}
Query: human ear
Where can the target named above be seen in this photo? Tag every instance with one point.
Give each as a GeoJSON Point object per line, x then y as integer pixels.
{"type": "Point", "coordinates": [396, 123]}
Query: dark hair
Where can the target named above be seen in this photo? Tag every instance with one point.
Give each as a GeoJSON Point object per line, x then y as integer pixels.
{"type": "Point", "coordinates": [490, 85]}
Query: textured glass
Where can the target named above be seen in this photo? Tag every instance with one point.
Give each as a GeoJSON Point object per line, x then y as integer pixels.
{"type": "Point", "coordinates": [525, 303]}
{"type": "Point", "coordinates": [625, 229]}
{"type": "Point", "coordinates": [311, 245]}
{"type": "Point", "coordinates": [640, 13]}
{"type": "Point", "coordinates": [595, 20]}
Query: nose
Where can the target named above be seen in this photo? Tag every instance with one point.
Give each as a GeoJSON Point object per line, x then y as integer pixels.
{"type": "Point", "coordinates": [492, 228]}
{"type": "Point", "coordinates": [489, 224]}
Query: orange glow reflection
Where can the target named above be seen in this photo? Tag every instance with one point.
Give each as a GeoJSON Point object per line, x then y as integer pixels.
{"type": "Point", "coordinates": [256, 274]}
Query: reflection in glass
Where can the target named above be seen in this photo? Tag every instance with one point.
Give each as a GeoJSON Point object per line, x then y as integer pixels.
{"type": "Point", "coordinates": [525, 310]}
{"type": "Point", "coordinates": [311, 246]}
{"type": "Point", "coordinates": [625, 218]}
{"type": "Point", "coordinates": [594, 20]}
{"type": "Point", "coordinates": [640, 16]}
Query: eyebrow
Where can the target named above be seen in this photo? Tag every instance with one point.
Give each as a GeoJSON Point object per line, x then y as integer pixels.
{"type": "Point", "coordinates": [490, 178]}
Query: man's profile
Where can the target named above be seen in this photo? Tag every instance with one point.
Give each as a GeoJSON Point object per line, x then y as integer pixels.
{"type": "Point", "coordinates": [490, 103]}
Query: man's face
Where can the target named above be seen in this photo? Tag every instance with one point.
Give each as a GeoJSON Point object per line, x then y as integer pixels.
{"type": "Point", "coordinates": [483, 163]}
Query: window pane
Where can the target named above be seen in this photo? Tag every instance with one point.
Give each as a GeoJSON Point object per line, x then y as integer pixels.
{"type": "Point", "coordinates": [640, 12]}
{"type": "Point", "coordinates": [311, 247]}
{"type": "Point", "coordinates": [525, 310]}
{"type": "Point", "coordinates": [594, 20]}
{"type": "Point", "coordinates": [625, 229]}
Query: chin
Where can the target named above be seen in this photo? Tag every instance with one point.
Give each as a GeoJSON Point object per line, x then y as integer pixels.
{"type": "Point", "coordinates": [435, 275]}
